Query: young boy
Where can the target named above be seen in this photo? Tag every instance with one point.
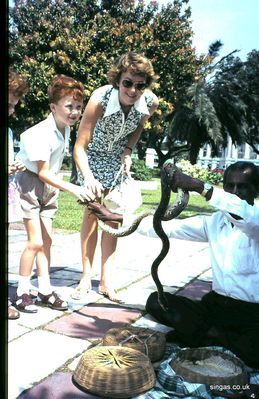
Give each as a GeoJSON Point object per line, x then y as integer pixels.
{"type": "Point", "coordinates": [42, 151]}
{"type": "Point", "coordinates": [17, 87]}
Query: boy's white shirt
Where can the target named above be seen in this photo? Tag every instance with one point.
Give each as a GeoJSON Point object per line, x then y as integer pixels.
{"type": "Point", "coordinates": [43, 142]}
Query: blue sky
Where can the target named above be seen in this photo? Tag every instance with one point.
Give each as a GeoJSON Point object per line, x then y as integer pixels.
{"type": "Point", "coordinates": [234, 22]}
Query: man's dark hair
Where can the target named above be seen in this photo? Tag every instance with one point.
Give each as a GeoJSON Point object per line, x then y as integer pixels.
{"type": "Point", "coordinates": [242, 166]}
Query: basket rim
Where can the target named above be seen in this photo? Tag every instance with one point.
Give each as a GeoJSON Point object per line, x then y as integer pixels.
{"type": "Point", "coordinates": [101, 377]}
{"type": "Point", "coordinates": [124, 395]}
{"type": "Point", "coordinates": [191, 375]}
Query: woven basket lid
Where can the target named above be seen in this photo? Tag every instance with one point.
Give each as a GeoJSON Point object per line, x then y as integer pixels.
{"type": "Point", "coordinates": [209, 366]}
{"type": "Point", "coordinates": [151, 343]}
{"type": "Point", "coordinates": [114, 372]}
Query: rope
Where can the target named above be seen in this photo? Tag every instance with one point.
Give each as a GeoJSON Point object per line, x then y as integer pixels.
{"type": "Point", "coordinates": [134, 336]}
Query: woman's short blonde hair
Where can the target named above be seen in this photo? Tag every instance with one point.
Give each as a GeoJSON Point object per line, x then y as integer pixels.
{"type": "Point", "coordinates": [17, 84]}
{"type": "Point", "coordinates": [136, 64]}
{"type": "Point", "coordinates": [62, 86]}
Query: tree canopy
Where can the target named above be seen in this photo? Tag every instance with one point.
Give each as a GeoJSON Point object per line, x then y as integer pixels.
{"type": "Point", "coordinates": [82, 38]}
{"type": "Point", "coordinates": [201, 100]}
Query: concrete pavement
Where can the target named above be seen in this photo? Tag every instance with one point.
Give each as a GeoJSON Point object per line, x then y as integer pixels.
{"type": "Point", "coordinates": [44, 348]}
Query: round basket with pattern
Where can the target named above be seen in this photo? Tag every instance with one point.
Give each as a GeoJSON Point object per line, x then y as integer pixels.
{"type": "Point", "coordinates": [209, 366]}
{"type": "Point", "coordinates": [114, 372]}
{"type": "Point", "coordinates": [151, 343]}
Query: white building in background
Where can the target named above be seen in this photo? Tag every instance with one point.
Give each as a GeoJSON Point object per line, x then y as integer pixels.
{"type": "Point", "coordinates": [227, 156]}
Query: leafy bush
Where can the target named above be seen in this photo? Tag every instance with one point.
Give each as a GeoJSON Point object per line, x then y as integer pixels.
{"type": "Point", "coordinates": [140, 170]}
{"type": "Point", "coordinates": [200, 173]}
{"type": "Point", "coordinates": [155, 173]}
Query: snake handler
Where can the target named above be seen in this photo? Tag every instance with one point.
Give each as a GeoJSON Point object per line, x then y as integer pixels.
{"type": "Point", "coordinates": [228, 315]}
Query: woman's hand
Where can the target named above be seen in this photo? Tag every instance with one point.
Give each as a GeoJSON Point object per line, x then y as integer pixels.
{"type": "Point", "coordinates": [94, 186]}
{"type": "Point", "coordinates": [126, 161]}
{"type": "Point", "coordinates": [82, 194]}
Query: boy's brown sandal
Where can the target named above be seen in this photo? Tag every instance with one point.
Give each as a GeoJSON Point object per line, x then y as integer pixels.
{"type": "Point", "coordinates": [52, 301]}
{"type": "Point", "coordinates": [24, 303]}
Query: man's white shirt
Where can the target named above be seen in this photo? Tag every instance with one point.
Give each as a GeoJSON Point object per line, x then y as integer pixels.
{"type": "Point", "coordinates": [233, 244]}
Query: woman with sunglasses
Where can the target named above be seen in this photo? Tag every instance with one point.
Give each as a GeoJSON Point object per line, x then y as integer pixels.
{"type": "Point", "coordinates": [109, 130]}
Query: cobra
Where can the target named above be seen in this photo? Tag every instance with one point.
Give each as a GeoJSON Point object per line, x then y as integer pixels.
{"type": "Point", "coordinates": [163, 212]}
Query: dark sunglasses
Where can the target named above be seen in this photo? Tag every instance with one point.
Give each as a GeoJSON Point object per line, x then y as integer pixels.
{"type": "Point", "coordinates": [139, 85]}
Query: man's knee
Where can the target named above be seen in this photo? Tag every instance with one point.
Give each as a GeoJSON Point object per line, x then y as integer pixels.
{"type": "Point", "coordinates": [152, 303]}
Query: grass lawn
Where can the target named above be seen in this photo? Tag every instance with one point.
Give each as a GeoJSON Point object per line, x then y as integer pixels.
{"type": "Point", "coordinates": [70, 213]}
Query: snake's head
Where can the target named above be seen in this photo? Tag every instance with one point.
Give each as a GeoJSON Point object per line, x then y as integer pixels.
{"type": "Point", "coordinates": [168, 169]}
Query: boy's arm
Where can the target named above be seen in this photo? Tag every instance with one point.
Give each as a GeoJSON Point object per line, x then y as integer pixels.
{"type": "Point", "coordinates": [45, 175]}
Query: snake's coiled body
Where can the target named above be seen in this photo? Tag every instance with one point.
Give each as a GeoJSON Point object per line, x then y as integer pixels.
{"type": "Point", "coordinates": [126, 230]}
{"type": "Point", "coordinates": [163, 212]}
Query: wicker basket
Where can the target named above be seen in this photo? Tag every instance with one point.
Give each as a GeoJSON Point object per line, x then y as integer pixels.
{"type": "Point", "coordinates": [147, 341]}
{"type": "Point", "coordinates": [209, 366]}
{"type": "Point", "coordinates": [114, 372]}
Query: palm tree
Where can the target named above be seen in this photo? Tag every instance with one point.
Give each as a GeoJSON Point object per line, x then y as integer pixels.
{"type": "Point", "coordinates": [215, 106]}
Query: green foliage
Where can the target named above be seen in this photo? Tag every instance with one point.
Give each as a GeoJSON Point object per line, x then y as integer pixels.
{"type": "Point", "coordinates": [70, 213]}
{"type": "Point", "coordinates": [155, 173]}
{"type": "Point", "coordinates": [140, 170]}
{"type": "Point", "coordinates": [83, 38]}
{"type": "Point", "coordinates": [200, 101]}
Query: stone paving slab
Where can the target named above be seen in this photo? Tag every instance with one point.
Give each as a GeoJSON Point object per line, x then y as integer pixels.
{"type": "Point", "coordinates": [61, 254]}
{"type": "Point", "coordinates": [57, 386]}
{"type": "Point", "coordinates": [15, 329]}
{"type": "Point", "coordinates": [35, 320]}
{"type": "Point", "coordinates": [135, 296]}
{"type": "Point", "coordinates": [35, 355]}
{"type": "Point", "coordinates": [177, 273]}
{"type": "Point", "coordinates": [66, 274]}
{"type": "Point", "coordinates": [206, 276]}
{"type": "Point", "coordinates": [148, 321]}
{"type": "Point", "coordinates": [92, 322]}
{"type": "Point", "coordinates": [76, 304]}
{"type": "Point", "coordinates": [90, 318]}
{"type": "Point", "coordinates": [196, 289]}
{"type": "Point", "coordinates": [148, 248]}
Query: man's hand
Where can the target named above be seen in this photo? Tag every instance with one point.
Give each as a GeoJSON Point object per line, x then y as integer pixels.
{"type": "Point", "coordinates": [181, 180]}
{"type": "Point", "coordinates": [186, 183]}
{"type": "Point", "coordinates": [102, 213]}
